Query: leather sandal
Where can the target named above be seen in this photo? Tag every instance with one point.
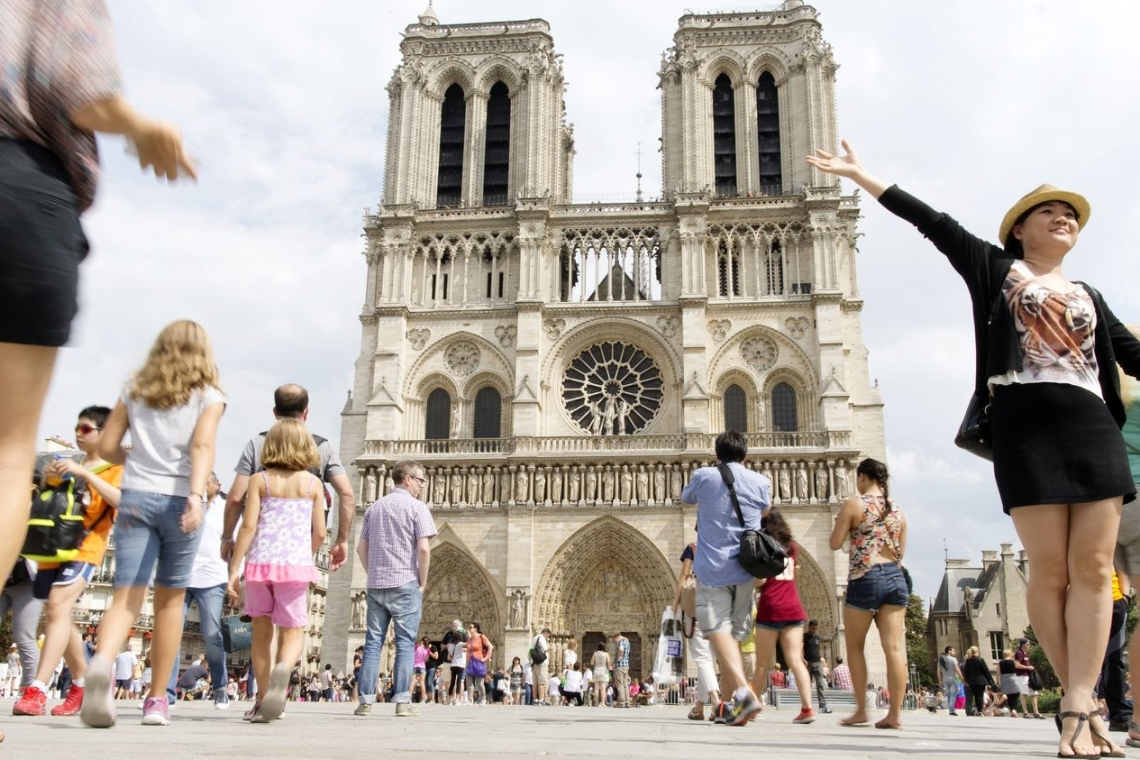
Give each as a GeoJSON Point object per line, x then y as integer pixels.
{"type": "Point", "coordinates": [1132, 727]}
{"type": "Point", "coordinates": [1103, 743]}
{"type": "Point", "coordinates": [697, 713]}
{"type": "Point", "coordinates": [1082, 719]}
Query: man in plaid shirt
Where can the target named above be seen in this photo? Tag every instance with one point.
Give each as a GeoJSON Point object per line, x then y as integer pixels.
{"type": "Point", "coordinates": [841, 676]}
{"type": "Point", "coordinates": [395, 549]}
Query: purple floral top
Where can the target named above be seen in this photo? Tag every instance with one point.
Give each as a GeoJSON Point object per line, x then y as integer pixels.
{"type": "Point", "coordinates": [282, 549]}
{"type": "Point", "coordinates": [57, 56]}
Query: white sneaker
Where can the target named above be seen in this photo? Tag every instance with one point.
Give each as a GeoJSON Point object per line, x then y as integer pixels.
{"type": "Point", "coordinates": [98, 709]}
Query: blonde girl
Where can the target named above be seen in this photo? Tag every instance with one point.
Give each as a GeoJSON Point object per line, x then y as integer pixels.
{"type": "Point", "coordinates": [282, 526]}
{"type": "Point", "coordinates": [171, 408]}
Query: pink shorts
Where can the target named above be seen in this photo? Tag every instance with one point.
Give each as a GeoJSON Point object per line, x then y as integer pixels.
{"type": "Point", "coordinates": [284, 603]}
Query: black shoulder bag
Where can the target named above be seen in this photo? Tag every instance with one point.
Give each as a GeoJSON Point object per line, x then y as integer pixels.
{"type": "Point", "coordinates": [974, 434]}
{"type": "Point", "coordinates": [760, 554]}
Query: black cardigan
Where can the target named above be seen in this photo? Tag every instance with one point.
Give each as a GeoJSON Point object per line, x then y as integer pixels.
{"type": "Point", "coordinates": [984, 267]}
{"type": "Point", "coordinates": [975, 672]}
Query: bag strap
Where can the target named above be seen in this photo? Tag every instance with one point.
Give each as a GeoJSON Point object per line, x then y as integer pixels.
{"type": "Point", "coordinates": [729, 482]}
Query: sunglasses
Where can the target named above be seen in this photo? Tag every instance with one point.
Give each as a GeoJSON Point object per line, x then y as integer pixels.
{"type": "Point", "coordinates": [86, 429]}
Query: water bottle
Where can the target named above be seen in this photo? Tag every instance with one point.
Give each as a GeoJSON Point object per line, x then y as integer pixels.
{"type": "Point", "coordinates": [55, 481]}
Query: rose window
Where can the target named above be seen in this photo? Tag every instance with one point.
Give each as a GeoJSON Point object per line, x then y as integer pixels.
{"type": "Point", "coordinates": [612, 388]}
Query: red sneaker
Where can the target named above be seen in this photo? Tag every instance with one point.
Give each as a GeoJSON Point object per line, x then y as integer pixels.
{"type": "Point", "coordinates": [34, 702]}
{"type": "Point", "coordinates": [72, 705]}
{"type": "Point", "coordinates": [807, 715]}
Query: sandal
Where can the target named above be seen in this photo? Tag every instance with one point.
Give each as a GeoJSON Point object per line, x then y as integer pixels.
{"type": "Point", "coordinates": [1082, 719]}
{"type": "Point", "coordinates": [1103, 743]}
{"type": "Point", "coordinates": [697, 713]}
{"type": "Point", "coordinates": [1132, 727]}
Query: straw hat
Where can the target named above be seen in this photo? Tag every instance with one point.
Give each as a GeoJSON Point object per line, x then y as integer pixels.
{"type": "Point", "coordinates": [1044, 194]}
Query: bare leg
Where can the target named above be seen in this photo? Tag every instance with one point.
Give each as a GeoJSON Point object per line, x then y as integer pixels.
{"type": "Point", "coordinates": [765, 648]}
{"type": "Point", "coordinates": [25, 373]}
{"type": "Point", "coordinates": [856, 623]}
{"type": "Point", "coordinates": [891, 620]}
{"type": "Point", "coordinates": [61, 637]}
{"type": "Point", "coordinates": [792, 641]}
{"type": "Point", "coordinates": [1044, 532]}
{"type": "Point", "coordinates": [262, 653]}
{"type": "Point", "coordinates": [168, 618]}
{"type": "Point", "coordinates": [126, 603]}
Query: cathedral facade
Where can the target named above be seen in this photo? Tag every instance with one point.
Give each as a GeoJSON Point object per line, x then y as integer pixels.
{"type": "Point", "coordinates": [561, 369]}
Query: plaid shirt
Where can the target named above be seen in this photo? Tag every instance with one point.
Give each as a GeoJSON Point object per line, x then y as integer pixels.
{"type": "Point", "coordinates": [621, 660]}
{"type": "Point", "coordinates": [392, 527]}
{"type": "Point", "coordinates": [841, 677]}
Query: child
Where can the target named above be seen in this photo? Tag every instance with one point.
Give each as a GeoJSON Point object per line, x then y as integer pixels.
{"type": "Point", "coordinates": [172, 408]}
{"type": "Point", "coordinates": [61, 585]}
{"type": "Point", "coordinates": [282, 526]}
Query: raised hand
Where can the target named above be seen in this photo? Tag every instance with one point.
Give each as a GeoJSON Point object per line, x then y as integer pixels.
{"type": "Point", "coordinates": [847, 165]}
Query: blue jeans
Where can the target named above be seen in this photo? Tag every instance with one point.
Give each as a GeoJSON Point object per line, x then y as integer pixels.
{"type": "Point", "coordinates": [210, 614]}
{"type": "Point", "coordinates": [148, 532]}
{"type": "Point", "coordinates": [402, 607]}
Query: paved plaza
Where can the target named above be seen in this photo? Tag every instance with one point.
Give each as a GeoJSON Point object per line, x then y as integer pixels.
{"type": "Point", "coordinates": [331, 731]}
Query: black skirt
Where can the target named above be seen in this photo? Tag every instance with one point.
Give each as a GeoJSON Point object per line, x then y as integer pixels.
{"type": "Point", "coordinates": [1056, 443]}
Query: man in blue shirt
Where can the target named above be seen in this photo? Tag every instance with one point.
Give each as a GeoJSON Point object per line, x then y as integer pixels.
{"type": "Point", "coordinates": [621, 671]}
{"type": "Point", "coordinates": [724, 587]}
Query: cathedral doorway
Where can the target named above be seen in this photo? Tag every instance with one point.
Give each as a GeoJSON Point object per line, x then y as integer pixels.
{"type": "Point", "coordinates": [459, 589]}
{"type": "Point", "coordinates": [607, 577]}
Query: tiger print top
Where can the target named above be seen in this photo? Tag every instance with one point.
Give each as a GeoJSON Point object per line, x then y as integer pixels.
{"type": "Point", "coordinates": [1055, 331]}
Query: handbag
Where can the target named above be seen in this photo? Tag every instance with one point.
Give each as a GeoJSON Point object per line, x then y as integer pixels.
{"type": "Point", "coordinates": [476, 668]}
{"type": "Point", "coordinates": [237, 634]}
{"type": "Point", "coordinates": [688, 606]}
{"type": "Point", "coordinates": [974, 433]}
{"type": "Point", "coordinates": [1034, 680]}
{"type": "Point", "coordinates": [760, 554]}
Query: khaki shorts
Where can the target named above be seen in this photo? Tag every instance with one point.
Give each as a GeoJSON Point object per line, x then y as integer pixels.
{"type": "Point", "coordinates": [1128, 539]}
{"type": "Point", "coordinates": [725, 609]}
{"type": "Point", "coordinates": [540, 673]}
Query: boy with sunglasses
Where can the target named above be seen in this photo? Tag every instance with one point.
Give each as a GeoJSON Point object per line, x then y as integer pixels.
{"type": "Point", "coordinates": [61, 585]}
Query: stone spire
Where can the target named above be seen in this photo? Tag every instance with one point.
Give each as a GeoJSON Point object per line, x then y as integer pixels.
{"type": "Point", "coordinates": [428, 17]}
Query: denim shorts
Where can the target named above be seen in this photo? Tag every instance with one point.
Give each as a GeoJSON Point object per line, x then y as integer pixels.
{"type": "Point", "coordinates": [779, 625]}
{"type": "Point", "coordinates": [883, 584]}
{"type": "Point", "coordinates": [148, 532]}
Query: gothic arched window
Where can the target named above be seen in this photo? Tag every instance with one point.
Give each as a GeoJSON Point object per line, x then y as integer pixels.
{"type": "Point", "coordinates": [724, 137]}
{"type": "Point", "coordinates": [735, 409]}
{"type": "Point", "coordinates": [768, 130]}
{"type": "Point", "coordinates": [488, 413]}
{"type": "Point", "coordinates": [496, 162]}
{"type": "Point", "coordinates": [452, 123]}
{"type": "Point", "coordinates": [784, 417]}
{"type": "Point", "coordinates": [728, 271]}
{"type": "Point", "coordinates": [438, 423]}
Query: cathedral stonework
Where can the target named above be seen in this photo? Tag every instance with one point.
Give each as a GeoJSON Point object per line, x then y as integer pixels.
{"type": "Point", "coordinates": [562, 369]}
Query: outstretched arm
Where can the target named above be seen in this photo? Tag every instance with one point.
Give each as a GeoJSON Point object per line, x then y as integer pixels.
{"type": "Point", "coordinates": [849, 166]}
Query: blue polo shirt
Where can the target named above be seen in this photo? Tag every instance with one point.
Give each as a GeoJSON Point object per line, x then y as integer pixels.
{"type": "Point", "coordinates": [718, 531]}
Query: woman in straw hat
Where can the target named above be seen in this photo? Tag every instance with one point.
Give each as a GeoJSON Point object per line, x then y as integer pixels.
{"type": "Point", "coordinates": [1046, 351]}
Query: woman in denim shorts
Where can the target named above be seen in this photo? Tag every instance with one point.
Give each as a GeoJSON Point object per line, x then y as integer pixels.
{"type": "Point", "coordinates": [876, 587]}
{"type": "Point", "coordinates": [171, 408]}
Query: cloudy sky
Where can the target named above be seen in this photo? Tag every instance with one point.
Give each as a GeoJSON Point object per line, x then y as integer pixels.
{"type": "Point", "coordinates": [968, 104]}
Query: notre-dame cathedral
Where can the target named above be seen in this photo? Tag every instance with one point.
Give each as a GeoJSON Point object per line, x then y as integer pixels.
{"type": "Point", "coordinates": [560, 369]}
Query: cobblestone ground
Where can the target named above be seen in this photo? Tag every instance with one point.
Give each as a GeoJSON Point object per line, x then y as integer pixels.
{"type": "Point", "coordinates": [331, 731]}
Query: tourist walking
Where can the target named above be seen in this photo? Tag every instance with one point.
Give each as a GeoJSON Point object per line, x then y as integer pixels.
{"type": "Point", "coordinates": [479, 651]}
{"type": "Point", "coordinates": [724, 587]}
{"type": "Point", "coordinates": [1027, 672]}
{"type": "Point", "coordinates": [57, 585]}
{"type": "Point", "coordinates": [814, 659]}
{"type": "Point", "coordinates": [780, 619]}
{"type": "Point", "coordinates": [1046, 350]}
{"type": "Point", "coordinates": [419, 669]}
{"type": "Point", "coordinates": [977, 677]}
{"type": "Point", "coordinates": [19, 599]}
{"type": "Point", "coordinates": [282, 527]}
{"type": "Point", "coordinates": [59, 85]}
{"type": "Point", "coordinates": [456, 642]}
{"type": "Point", "coordinates": [516, 676]}
{"type": "Point", "coordinates": [208, 589]}
{"type": "Point", "coordinates": [951, 676]}
{"type": "Point", "coordinates": [600, 667]}
{"type": "Point", "coordinates": [291, 401]}
{"type": "Point", "coordinates": [875, 529]}
{"type": "Point", "coordinates": [395, 549]}
{"type": "Point", "coordinates": [171, 409]}
{"type": "Point", "coordinates": [1010, 689]}
{"type": "Point", "coordinates": [708, 692]}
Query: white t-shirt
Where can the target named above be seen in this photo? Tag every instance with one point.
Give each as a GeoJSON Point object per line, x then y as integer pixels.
{"type": "Point", "coordinates": [554, 687]}
{"type": "Point", "coordinates": [124, 665]}
{"type": "Point", "coordinates": [569, 657]}
{"type": "Point", "coordinates": [573, 681]}
{"type": "Point", "coordinates": [459, 654]}
{"type": "Point", "coordinates": [159, 458]}
{"type": "Point", "coordinates": [209, 568]}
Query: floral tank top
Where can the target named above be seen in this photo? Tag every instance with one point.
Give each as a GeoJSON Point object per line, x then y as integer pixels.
{"type": "Point", "coordinates": [878, 529]}
{"type": "Point", "coordinates": [281, 551]}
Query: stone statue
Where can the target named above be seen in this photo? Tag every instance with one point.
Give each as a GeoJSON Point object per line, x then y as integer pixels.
{"type": "Point", "coordinates": [626, 492]}
{"type": "Point", "coordinates": [607, 484]}
{"type": "Point", "coordinates": [540, 485]}
{"type": "Point", "coordinates": [518, 609]}
{"type": "Point", "coordinates": [522, 483]}
{"type": "Point", "coordinates": [473, 489]}
{"type": "Point", "coordinates": [609, 416]}
{"type": "Point", "coordinates": [456, 486]}
{"type": "Point", "coordinates": [659, 494]}
{"type": "Point", "coordinates": [370, 485]}
{"type": "Point", "coordinates": [821, 483]}
{"type": "Point", "coordinates": [591, 483]}
{"type": "Point", "coordinates": [556, 485]}
{"type": "Point", "coordinates": [623, 410]}
{"type": "Point", "coordinates": [359, 611]}
{"type": "Point", "coordinates": [389, 484]}
{"type": "Point", "coordinates": [785, 484]}
{"type": "Point", "coordinates": [508, 493]}
{"type": "Point", "coordinates": [439, 487]}
{"type": "Point", "coordinates": [676, 482]}
{"type": "Point", "coordinates": [455, 420]}
{"type": "Point", "coordinates": [595, 418]}
{"type": "Point", "coordinates": [574, 484]}
{"type": "Point", "coordinates": [642, 484]}
{"type": "Point", "coordinates": [841, 480]}
{"type": "Point", "coordinates": [488, 486]}
{"type": "Point", "coordinates": [760, 416]}
{"type": "Point", "coordinates": [802, 483]}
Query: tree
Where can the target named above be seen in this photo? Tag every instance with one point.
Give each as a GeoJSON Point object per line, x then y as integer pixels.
{"type": "Point", "coordinates": [917, 650]}
{"type": "Point", "coordinates": [1038, 660]}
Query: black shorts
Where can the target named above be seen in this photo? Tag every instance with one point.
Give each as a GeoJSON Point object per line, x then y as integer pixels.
{"type": "Point", "coordinates": [41, 245]}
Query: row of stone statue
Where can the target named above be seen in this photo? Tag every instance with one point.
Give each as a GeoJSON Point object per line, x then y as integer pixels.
{"type": "Point", "coordinates": [805, 482]}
